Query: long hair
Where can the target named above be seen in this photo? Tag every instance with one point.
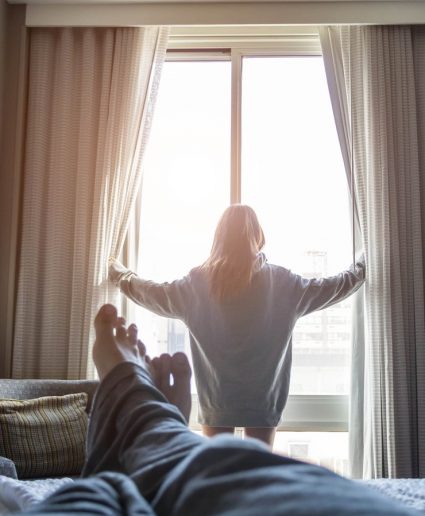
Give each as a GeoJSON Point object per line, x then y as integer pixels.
{"type": "Point", "coordinates": [238, 239]}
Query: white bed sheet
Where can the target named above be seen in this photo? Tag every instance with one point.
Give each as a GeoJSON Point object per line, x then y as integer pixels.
{"type": "Point", "coordinates": [17, 495]}
{"type": "Point", "coordinates": [408, 491]}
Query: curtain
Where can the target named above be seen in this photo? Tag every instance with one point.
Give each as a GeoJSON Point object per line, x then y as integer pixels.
{"type": "Point", "coordinates": [338, 79]}
{"type": "Point", "coordinates": [91, 95]}
{"type": "Point", "coordinates": [375, 77]}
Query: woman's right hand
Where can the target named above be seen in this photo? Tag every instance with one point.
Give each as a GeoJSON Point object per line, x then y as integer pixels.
{"type": "Point", "coordinates": [116, 271]}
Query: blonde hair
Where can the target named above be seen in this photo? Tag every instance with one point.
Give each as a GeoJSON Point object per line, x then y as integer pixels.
{"type": "Point", "coordinates": [238, 239]}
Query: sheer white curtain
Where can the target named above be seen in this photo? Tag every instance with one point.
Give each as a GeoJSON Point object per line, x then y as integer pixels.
{"type": "Point", "coordinates": [375, 80]}
{"type": "Point", "coordinates": [338, 72]}
{"type": "Point", "coordinates": [91, 96]}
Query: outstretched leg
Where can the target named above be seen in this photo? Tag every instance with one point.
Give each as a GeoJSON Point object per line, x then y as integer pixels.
{"type": "Point", "coordinates": [133, 428]}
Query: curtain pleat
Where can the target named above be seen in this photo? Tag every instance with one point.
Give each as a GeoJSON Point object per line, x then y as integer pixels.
{"type": "Point", "coordinates": [338, 74]}
{"type": "Point", "coordinates": [418, 41]}
{"type": "Point", "coordinates": [90, 102]}
{"type": "Point", "coordinates": [377, 66]}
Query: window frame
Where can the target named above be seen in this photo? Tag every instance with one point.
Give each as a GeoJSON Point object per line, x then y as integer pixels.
{"type": "Point", "coordinates": [303, 413]}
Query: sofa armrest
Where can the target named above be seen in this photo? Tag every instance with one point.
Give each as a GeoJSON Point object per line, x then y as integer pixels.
{"type": "Point", "coordinates": [7, 468]}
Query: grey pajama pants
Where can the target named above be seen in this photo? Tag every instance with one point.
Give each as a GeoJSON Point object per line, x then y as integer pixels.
{"type": "Point", "coordinates": [143, 460]}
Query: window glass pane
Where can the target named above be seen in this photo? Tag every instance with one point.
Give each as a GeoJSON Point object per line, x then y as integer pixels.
{"type": "Point", "coordinates": [328, 449]}
{"type": "Point", "coordinates": [186, 183]}
{"type": "Point", "coordinates": [294, 177]}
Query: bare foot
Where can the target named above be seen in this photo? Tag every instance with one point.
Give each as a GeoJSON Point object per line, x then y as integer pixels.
{"type": "Point", "coordinates": [176, 366]}
{"type": "Point", "coordinates": [114, 342]}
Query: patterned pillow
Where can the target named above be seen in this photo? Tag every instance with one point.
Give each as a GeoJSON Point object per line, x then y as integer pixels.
{"type": "Point", "coordinates": [44, 436]}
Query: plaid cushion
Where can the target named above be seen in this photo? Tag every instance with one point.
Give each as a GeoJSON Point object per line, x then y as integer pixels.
{"type": "Point", "coordinates": [44, 436]}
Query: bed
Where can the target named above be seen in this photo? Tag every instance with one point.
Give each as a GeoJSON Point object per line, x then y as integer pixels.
{"type": "Point", "coordinates": [22, 494]}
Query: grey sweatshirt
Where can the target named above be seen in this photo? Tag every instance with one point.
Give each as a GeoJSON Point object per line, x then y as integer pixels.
{"type": "Point", "coordinates": [242, 348]}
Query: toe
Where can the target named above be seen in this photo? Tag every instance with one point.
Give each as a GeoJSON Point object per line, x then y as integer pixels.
{"type": "Point", "coordinates": [181, 371]}
{"type": "Point", "coordinates": [105, 319]}
{"type": "Point", "coordinates": [132, 334]}
{"type": "Point", "coordinates": [121, 331]}
{"type": "Point", "coordinates": [154, 370]}
{"type": "Point", "coordinates": [142, 348]}
{"type": "Point", "coordinates": [180, 365]}
{"type": "Point", "coordinates": [120, 321]}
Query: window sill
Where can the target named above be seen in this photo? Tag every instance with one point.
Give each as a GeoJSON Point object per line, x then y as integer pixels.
{"type": "Point", "coordinates": [303, 413]}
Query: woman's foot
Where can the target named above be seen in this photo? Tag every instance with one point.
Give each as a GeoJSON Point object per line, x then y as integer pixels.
{"type": "Point", "coordinates": [177, 368]}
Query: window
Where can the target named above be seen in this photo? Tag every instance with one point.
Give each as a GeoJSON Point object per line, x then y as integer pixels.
{"type": "Point", "coordinates": [255, 126]}
{"type": "Point", "coordinates": [186, 183]}
{"type": "Point", "coordinates": [292, 172]}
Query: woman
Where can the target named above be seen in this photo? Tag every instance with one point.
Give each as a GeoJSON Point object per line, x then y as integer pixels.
{"type": "Point", "coordinates": [240, 312]}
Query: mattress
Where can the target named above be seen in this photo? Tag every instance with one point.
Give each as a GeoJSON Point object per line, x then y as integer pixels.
{"type": "Point", "coordinates": [21, 494]}
{"type": "Point", "coordinates": [408, 491]}
{"type": "Point", "coordinates": [18, 495]}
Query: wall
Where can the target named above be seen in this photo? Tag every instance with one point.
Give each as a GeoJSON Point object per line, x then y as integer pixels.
{"type": "Point", "coordinates": [12, 51]}
{"type": "Point", "coordinates": [3, 15]}
{"type": "Point", "coordinates": [228, 12]}
{"type": "Point", "coordinates": [3, 212]}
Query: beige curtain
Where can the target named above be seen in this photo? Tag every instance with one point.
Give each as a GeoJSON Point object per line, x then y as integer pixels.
{"type": "Point", "coordinates": [377, 76]}
{"type": "Point", "coordinates": [91, 96]}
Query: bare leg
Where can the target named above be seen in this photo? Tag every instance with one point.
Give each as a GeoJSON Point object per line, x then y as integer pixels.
{"type": "Point", "coordinates": [211, 431]}
{"type": "Point", "coordinates": [133, 427]}
{"type": "Point", "coordinates": [265, 434]}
